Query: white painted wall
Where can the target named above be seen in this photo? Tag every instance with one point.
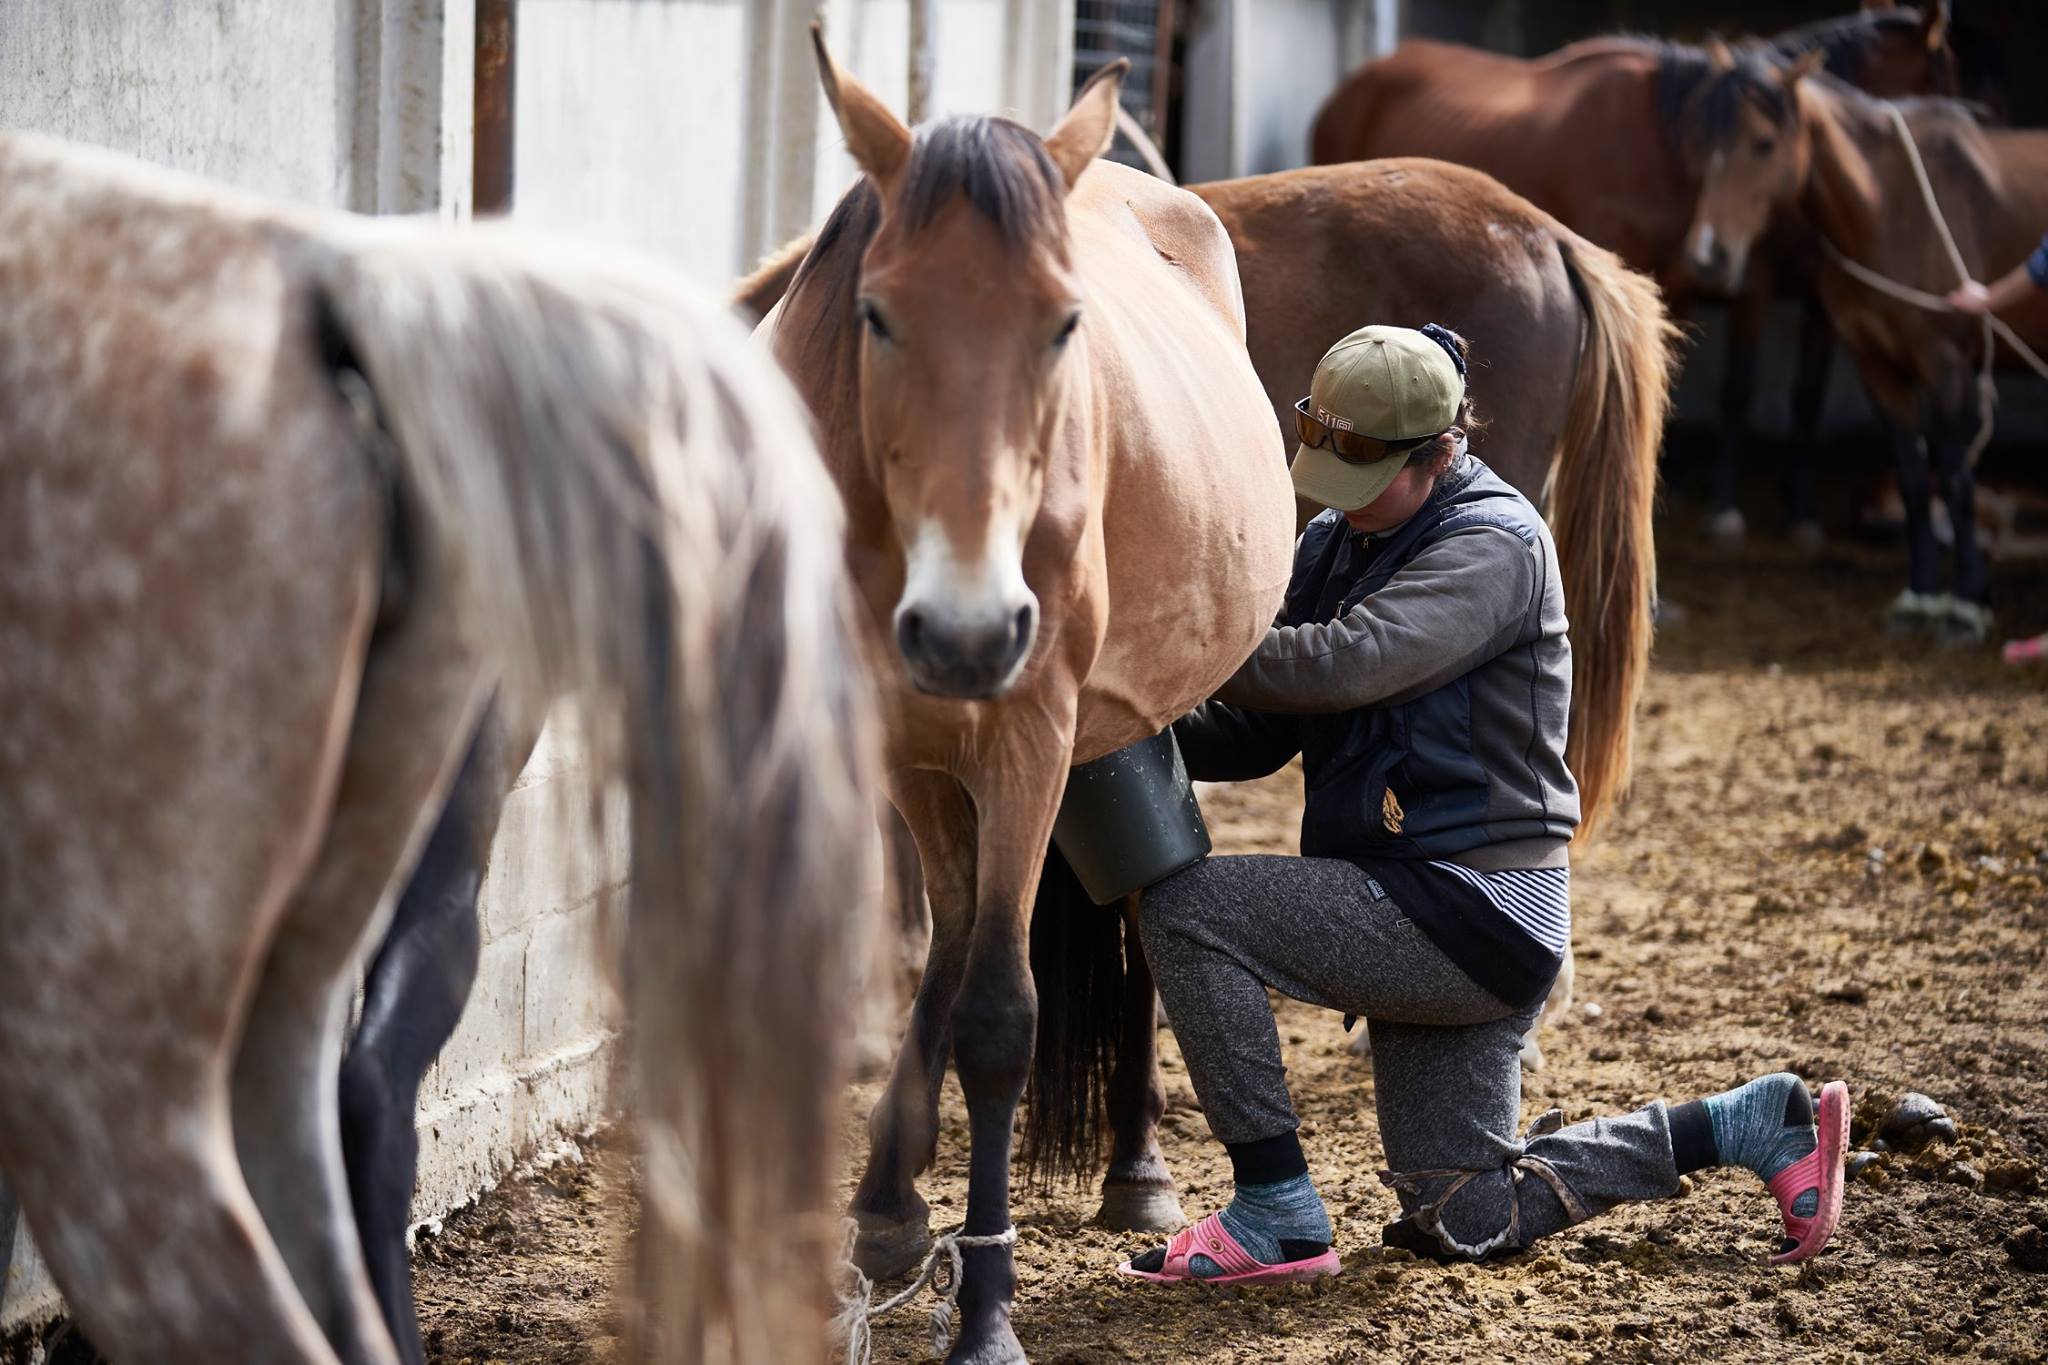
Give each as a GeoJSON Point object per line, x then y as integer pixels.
{"type": "Point", "coordinates": [254, 94]}
{"type": "Point", "coordinates": [1257, 71]}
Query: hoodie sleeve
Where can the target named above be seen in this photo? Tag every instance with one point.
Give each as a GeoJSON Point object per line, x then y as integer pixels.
{"type": "Point", "coordinates": [1459, 603]}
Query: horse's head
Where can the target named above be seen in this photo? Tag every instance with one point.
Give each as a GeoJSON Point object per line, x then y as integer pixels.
{"type": "Point", "coordinates": [1742, 133]}
{"type": "Point", "coordinates": [1890, 51]}
{"type": "Point", "coordinates": [970, 309]}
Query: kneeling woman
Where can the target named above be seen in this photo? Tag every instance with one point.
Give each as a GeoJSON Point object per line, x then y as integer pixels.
{"type": "Point", "coordinates": [1424, 676]}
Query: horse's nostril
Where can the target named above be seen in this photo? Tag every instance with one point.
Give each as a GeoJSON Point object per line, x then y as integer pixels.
{"type": "Point", "coordinates": [910, 632]}
{"type": "Point", "coordinates": [1021, 623]}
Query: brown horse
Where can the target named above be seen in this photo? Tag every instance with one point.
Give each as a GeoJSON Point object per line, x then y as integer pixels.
{"type": "Point", "coordinates": [282, 497]}
{"type": "Point", "coordinates": [1070, 521]}
{"type": "Point", "coordinates": [1638, 145]}
{"type": "Point", "coordinates": [1919, 367]}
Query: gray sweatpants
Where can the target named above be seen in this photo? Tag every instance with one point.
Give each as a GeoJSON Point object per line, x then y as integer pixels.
{"type": "Point", "coordinates": [1446, 1071]}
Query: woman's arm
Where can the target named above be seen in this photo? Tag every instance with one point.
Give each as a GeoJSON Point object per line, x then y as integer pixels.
{"type": "Point", "coordinates": [2008, 289]}
{"type": "Point", "coordinates": [1223, 744]}
{"type": "Point", "coordinates": [1450, 609]}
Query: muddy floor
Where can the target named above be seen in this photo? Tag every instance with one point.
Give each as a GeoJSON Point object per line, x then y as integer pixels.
{"type": "Point", "coordinates": [1834, 861]}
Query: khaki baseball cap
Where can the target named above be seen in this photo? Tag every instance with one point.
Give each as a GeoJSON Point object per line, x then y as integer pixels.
{"type": "Point", "coordinates": [1391, 384]}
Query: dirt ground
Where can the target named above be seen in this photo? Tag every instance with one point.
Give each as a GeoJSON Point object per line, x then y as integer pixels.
{"type": "Point", "coordinates": [1833, 861]}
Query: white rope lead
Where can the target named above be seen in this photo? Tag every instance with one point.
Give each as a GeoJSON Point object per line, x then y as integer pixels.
{"type": "Point", "coordinates": [857, 1309]}
{"type": "Point", "coordinates": [1990, 325]}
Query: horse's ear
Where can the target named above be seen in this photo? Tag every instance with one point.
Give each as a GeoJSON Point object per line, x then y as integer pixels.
{"type": "Point", "coordinates": [876, 137]}
{"type": "Point", "coordinates": [1719, 58]}
{"type": "Point", "coordinates": [1802, 66]}
{"type": "Point", "coordinates": [1934, 24]}
{"type": "Point", "coordinates": [1090, 126]}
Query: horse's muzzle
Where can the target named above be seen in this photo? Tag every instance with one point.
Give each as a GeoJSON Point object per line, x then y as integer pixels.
{"type": "Point", "coordinates": [967, 659]}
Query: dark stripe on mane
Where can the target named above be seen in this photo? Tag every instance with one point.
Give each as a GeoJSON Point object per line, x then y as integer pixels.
{"type": "Point", "coordinates": [1002, 168]}
{"type": "Point", "coordinates": [1697, 104]}
{"type": "Point", "coordinates": [833, 266]}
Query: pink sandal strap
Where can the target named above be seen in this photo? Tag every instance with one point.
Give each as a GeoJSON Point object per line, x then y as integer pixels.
{"type": "Point", "coordinates": [1819, 1171]}
{"type": "Point", "coordinates": [1208, 1238]}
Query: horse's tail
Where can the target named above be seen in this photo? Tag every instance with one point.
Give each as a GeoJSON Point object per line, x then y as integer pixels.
{"type": "Point", "coordinates": [1077, 965]}
{"type": "Point", "coordinates": [620, 495]}
{"type": "Point", "coordinates": [1603, 494]}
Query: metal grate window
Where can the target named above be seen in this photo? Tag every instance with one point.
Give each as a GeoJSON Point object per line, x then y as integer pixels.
{"type": "Point", "coordinates": [1141, 30]}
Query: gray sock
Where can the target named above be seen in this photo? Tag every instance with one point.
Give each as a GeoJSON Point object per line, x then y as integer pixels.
{"type": "Point", "coordinates": [1765, 1126]}
{"type": "Point", "coordinates": [1275, 1223]}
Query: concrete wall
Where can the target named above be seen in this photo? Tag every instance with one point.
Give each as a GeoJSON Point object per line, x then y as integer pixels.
{"type": "Point", "coordinates": [1257, 71]}
{"type": "Point", "coordinates": [693, 129]}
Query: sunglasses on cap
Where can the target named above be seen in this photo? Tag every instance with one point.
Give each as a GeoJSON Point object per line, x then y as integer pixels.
{"type": "Point", "coordinates": [1352, 447]}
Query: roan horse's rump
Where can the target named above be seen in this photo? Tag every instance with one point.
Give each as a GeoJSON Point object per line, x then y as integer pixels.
{"type": "Point", "coordinates": [282, 496]}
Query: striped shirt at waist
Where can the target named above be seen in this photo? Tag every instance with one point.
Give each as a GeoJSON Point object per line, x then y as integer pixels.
{"type": "Point", "coordinates": [1538, 900]}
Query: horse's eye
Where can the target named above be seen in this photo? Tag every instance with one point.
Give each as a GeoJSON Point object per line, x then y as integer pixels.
{"type": "Point", "coordinates": [872, 316]}
{"type": "Point", "coordinates": [1066, 331]}
{"type": "Point", "coordinates": [1764, 146]}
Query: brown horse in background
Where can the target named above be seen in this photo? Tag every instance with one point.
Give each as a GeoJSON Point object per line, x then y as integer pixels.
{"type": "Point", "coordinates": [1920, 367]}
{"type": "Point", "coordinates": [1637, 144]}
{"type": "Point", "coordinates": [1571, 368]}
{"type": "Point", "coordinates": [283, 497]}
{"type": "Point", "coordinates": [1028, 367]}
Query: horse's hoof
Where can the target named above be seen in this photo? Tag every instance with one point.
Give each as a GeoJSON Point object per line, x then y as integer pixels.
{"type": "Point", "coordinates": [1134, 1206]}
{"type": "Point", "coordinates": [889, 1249]}
{"type": "Point", "coordinates": [1806, 537]}
{"type": "Point", "coordinates": [1967, 624]}
{"type": "Point", "coordinates": [991, 1343]}
{"type": "Point", "coordinates": [1531, 1054]}
{"type": "Point", "coordinates": [1727, 526]}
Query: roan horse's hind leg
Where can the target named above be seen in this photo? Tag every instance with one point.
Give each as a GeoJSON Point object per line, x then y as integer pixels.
{"type": "Point", "coordinates": [413, 996]}
{"type": "Point", "coordinates": [903, 1131]}
{"type": "Point", "coordinates": [1137, 1194]}
{"type": "Point", "coordinates": [419, 700]}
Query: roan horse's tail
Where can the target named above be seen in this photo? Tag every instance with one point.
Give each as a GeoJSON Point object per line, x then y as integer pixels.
{"type": "Point", "coordinates": [1600, 510]}
{"type": "Point", "coordinates": [629, 511]}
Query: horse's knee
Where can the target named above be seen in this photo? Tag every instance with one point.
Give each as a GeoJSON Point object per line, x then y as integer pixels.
{"type": "Point", "coordinates": [994, 1026]}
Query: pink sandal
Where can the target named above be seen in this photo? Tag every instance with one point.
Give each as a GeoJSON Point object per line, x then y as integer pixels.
{"type": "Point", "coordinates": [1819, 1171]}
{"type": "Point", "coordinates": [1210, 1238]}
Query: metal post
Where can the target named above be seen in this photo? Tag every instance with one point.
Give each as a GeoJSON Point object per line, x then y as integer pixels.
{"type": "Point", "coordinates": [924, 19]}
{"type": "Point", "coordinates": [497, 24]}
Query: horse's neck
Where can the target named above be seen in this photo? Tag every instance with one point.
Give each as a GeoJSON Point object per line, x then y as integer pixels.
{"type": "Point", "coordinates": [1844, 190]}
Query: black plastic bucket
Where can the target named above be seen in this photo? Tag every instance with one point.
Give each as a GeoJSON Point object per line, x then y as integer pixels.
{"type": "Point", "coordinates": [1129, 819]}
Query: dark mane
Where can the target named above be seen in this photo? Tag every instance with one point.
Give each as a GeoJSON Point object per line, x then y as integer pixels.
{"type": "Point", "coordinates": [833, 264]}
{"type": "Point", "coordinates": [1846, 40]}
{"type": "Point", "coordinates": [1697, 104]}
{"type": "Point", "coordinates": [1002, 168]}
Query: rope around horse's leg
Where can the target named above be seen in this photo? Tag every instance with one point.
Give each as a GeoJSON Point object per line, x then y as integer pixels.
{"type": "Point", "coordinates": [857, 1310]}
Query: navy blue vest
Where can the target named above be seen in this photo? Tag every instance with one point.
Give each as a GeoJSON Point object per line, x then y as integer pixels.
{"type": "Point", "coordinates": [1398, 778]}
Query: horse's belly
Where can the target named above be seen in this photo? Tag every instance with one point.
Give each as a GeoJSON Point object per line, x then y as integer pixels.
{"type": "Point", "coordinates": [1194, 583]}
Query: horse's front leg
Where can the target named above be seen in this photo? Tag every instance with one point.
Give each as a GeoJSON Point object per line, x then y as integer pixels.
{"type": "Point", "coordinates": [1916, 609]}
{"type": "Point", "coordinates": [995, 1022]}
{"type": "Point", "coordinates": [1137, 1194]}
{"type": "Point", "coordinates": [1738, 396]}
{"type": "Point", "coordinates": [1949, 436]}
{"type": "Point", "coordinates": [894, 1222]}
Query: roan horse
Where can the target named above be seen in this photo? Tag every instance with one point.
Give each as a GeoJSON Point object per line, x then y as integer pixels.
{"type": "Point", "coordinates": [1070, 519]}
{"type": "Point", "coordinates": [282, 497]}
{"type": "Point", "coordinates": [1640, 145]}
{"type": "Point", "coordinates": [1921, 368]}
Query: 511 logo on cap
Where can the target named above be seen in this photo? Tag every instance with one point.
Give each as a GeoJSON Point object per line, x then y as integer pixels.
{"type": "Point", "coordinates": [1331, 419]}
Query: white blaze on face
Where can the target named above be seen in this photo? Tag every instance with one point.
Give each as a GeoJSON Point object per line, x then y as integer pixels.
{"type": "Point", "coordinates": [969, 612]}
{"type": "Point", "coordinates": [1703, 247]}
